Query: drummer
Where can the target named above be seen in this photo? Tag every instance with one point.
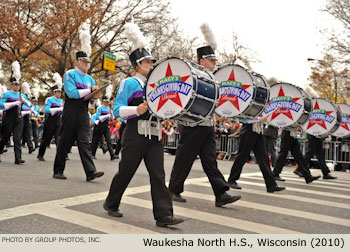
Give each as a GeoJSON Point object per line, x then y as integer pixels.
{"type": "Point", "coordinates": [130, 106]}
{"type": "Point", "coordinates": [199, 140]}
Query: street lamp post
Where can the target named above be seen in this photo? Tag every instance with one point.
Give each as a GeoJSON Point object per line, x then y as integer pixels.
{"type": "Point", "coordinates": [334, 74]}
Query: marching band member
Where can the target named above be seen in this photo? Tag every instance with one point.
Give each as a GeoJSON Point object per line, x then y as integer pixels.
{"type": "Point", "coordinates": [53, 112]}
{"type": "Point", "coordinates": [26, 114]}
{"type": "Point", "coordinates": [289, 142]}
{"type": "Point", "coordinates": [200, 140]}
{"type": "Point", "coordinates": [129, 104]}
{"type": "Point", "coordinates": [251, 138]}
{"type": "Point", "coordinates": [35, 116]}
{"type": "Point", "coordinates": [103, 115]}
{"type": "Point", "coordinates": [11, 103]}
{"type": "Point", "coordinates": [75, 118]}
{"type": "Point", "coordinates": [315, 147]}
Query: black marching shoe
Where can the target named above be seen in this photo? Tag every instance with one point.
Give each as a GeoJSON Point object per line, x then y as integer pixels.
{"type": "Point", "coordinates": [19, 161]}
{"type": "Point", "coordinates": [234, 185]}
{"type": "Point", "coordinates": [94, 175]}
{"type": "Point", "coordinates": [40, 158]}
{"type": "Point", "coordinates": [93, 157]}
{"type": "Point", "coordinates": [113, 157]}
{"type": "Point", "coordinates": [226, 199]}
{"type": "Point", "coordinates": [298, 173]}
{"type": "Point", "coordinates": [275, 189]}
{"type": "Point", "coordinates": [177, 197]}
{"type": "Point", "coordinates": [31, 150]}
{"type": "Point", "coordinates": [328, 176]}
{"type": "Point", "coordinates": [112, 212]}
{"type": "Point", "coordinates": [312, 178]}
{"type": "Point", "coordinates": [59, 176]}
{"type": "Point", "coordinates": [278, 178]}
{"type": "Point", "coordinates": [3, 151]}
{"type": "Point", "coordinates": [168, 221]}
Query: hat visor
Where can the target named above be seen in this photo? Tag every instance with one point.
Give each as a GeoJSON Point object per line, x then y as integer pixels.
{"type": "Point", "coordinates": [57, 90]}
{"type": "Point", "coordinates": [84, 59]}
{"type": "Point", "coordinates": [213, 57]}
{"type": "Point", "coordinates": [148, 57]}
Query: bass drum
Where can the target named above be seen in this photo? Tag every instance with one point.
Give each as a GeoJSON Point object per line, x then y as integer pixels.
{"type": "Point", "coordinates": [325, 118]}
{"type": "Point", "coordinates": [289, 106]}
{"type": "Point", "coordinates": [243, 94]}
{"type": "Point", "coordinates": [344, 128]}
{"type": "Point", "coordinates": [181, 90]}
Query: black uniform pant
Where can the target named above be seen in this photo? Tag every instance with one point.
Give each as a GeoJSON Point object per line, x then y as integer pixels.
{"type": "Point", "coordinates": [27, 132]}
{"type": "Point", "coordinates": [101, 130]}
{"type": "Point", "coordinates": [52, 126]}
{"type": "Point", "coordinates": [249, 141]}
{"type": "Point", "coordinates": [35, 133]}
{"type": "Point", "coordinates": [135, 148]}
{"type": "Point", "coordinates": [315, 147]}
{"type": "Point", "coordinates": [198, 140]}
{"type": "Point", "coordinates": [12, 123]}
{"type": "Point", "coordinates": [270, 146]}
{"type": "Point", "coordinates": [119, 143]}
{"type": "Point", "coordinates": [291, 144]}
{"type": "Point", "coordinates": [75, 126]}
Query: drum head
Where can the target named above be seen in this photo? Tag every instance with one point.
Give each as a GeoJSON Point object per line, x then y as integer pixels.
{"type": "Point", "coordinates": [236, 90]}
{"type": "Point", "coordinates": [323, 119]}
{"type": "Point", "coordinates": [285, 105]}
{"type": "Point", "coordinates": [169, 87]}
{"type": "Point", "coordinates": [344, 128]}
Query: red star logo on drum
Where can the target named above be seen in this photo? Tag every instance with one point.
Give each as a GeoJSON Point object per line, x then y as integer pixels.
{"type": "Point", "coordinates": [283, 111]}
{"type": "Point", "coordinates": [231, 98]}
{"type": "Point", "coordinates": [173, 96]}
{"type": "Point", "coordinates": [318, 121]}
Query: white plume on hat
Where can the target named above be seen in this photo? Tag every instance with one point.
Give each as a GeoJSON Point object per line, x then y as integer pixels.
{"type": "Point", "coordinates": [134, 34]}
{"type": "Point", "coordinates": [208, 35]}
{"type": "Point", "coordinates": [109, 91]}
{"type": "Point", "coordinates": [310, 91]}
{"type": "Point", "coordinates": [58, 79]}
{"type": "Point", "coordinates": [16, 70]}
{"type": "Point", "coordinates": [35, 92]}
{"type": "Point", "coordinates": [1, 91]}
{"type": "Point", "coordinates": [26, 89]}
{"type": "Point", "coordinates": [85, 38]}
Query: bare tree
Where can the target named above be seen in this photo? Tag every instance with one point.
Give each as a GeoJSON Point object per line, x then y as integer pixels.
{"type": "Point", "coordinates": [241, 52]}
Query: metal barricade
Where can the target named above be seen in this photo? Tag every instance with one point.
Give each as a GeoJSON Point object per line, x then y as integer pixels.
{"type": "Point", "coordinates": [228, 145]}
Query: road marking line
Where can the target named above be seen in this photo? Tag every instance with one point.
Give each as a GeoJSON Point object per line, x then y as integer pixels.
{"type": "Point", "coordinates": [95, 222]}
{"type": "Point", "coordinates": [288, 197]}
{"type": "Point", "coordinates": [319, 184]}
{"type": "Point", "coordinates": [275, 209]}
{"type": "Point", "coordinates": [334, 195]}
{"type": "Point", "coordinates": [216, 219]}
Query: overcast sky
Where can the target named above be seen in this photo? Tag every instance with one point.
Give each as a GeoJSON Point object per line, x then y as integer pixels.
{"type": "Point", "coordinates": [283, 33]}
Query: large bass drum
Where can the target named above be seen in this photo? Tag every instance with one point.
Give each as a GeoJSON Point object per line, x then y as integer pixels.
{"type": "Point", "coordinates": [289, 106]}
{"type": "Point", "coordinates": [243, 94]}
{"type": "Point", "coordinates": [325, 118]}
{"type": "Point", "coordinates": [181, 90]}
{"type": "Point", "coordinates": [344, 128]}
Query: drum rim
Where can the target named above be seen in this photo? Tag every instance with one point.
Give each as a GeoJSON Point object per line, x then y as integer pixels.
{"type": "Point", "coordinates": [254, 85]}
{"type": "Point", "coordinates": [305, 96]}
{"type": "Point", "coordinates": [191, 66]}
{"type": "Point", "coordinates": [335, 126]}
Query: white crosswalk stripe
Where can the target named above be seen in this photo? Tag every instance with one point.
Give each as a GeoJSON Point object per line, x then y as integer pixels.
{"type": "Point", "coordinates": [58, 209]}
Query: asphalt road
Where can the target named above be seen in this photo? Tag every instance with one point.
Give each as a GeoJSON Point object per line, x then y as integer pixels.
{"type": "Point", "coordinates": [32, 202]}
